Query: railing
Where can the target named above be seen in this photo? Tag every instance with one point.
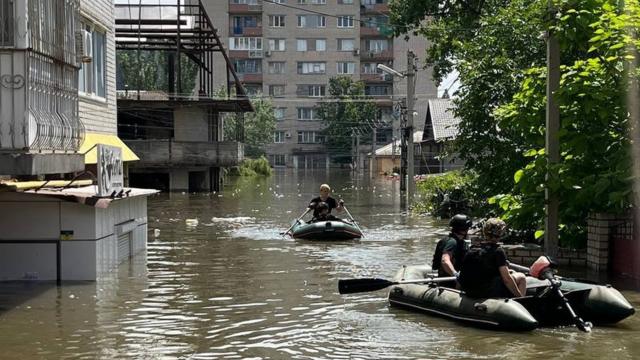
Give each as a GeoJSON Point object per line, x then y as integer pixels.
{"type": "Point", "coordinates": [162, 153]}
{"type": "Point", "coordinates": [39, 76]}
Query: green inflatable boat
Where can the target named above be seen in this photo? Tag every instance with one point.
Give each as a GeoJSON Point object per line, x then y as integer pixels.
{"type": "Point", "coordinates": [541, 307]}
{"type": "Point", "coordinates": [325, 230]}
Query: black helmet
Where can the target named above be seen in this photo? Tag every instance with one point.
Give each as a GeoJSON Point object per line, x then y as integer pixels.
{"type": "Point", "coordinates": [460, 222]}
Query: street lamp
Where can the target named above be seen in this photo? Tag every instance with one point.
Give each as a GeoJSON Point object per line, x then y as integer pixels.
{"type": "Point", "coordinates": [408, 133]}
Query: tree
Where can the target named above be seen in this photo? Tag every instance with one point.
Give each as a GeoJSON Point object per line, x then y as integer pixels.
{"type": "Point", "coordinates": [151, 71]}
{"type": "Point", "coordinates": [258, 126]}
{"type": "Point", "coordinates": [346, 112]}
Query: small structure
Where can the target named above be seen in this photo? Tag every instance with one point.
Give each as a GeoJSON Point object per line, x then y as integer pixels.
{"type": "Point", "coordinates": [387, 158]}
{"type": "Point", "coordinates": [440, 127]}
{"type": "Point", "coordinates": [168, 112]}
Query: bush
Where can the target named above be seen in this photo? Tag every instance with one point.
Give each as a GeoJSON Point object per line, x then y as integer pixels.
{"type": "Point", "coordinates": [254, 167]}
{"type": "Point", "coordinates": [445, 195]}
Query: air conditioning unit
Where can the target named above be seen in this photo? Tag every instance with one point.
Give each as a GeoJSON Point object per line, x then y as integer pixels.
{"type": "Point", "coordinates": [84, 46]}
{"type": "Point", "coordinates": [356, 52]}
{"type": "Point", "coordinates": [287, 134]}
{"type": "Point", "coordinates": [267, 53]}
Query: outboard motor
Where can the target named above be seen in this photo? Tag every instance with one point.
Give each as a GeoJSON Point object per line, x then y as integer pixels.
{"type": "Point", "coordinates": [544, 269]}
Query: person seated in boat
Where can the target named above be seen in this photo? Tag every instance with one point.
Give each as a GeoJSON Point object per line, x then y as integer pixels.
{"type": "Point", "coordinates": [325, 196]}
{"type": "Point", "coordinates": [451, 250]}
{"type": "Point", "coordinates": [484, 272]}
{"type": "Point", "coordinates": [323, 213]}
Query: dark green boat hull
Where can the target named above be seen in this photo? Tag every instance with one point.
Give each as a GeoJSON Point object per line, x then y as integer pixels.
{"type": "Point", "coordinates": [596, 303]}
{"type": "Point", "coordinates": [325, 230]}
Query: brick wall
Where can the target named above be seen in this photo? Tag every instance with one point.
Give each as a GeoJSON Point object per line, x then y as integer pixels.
{"type": "Point", "coordinates": [611, 245]}
{"type": "Point", "coordinates": [525, 256]}
{"type": "Point", "coordinates": [99, 115]}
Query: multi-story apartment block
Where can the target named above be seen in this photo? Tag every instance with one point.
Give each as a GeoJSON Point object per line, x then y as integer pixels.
{"type": "Point", "coordinates": [289, 49]}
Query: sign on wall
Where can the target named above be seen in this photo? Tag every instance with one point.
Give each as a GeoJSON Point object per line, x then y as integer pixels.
{"type": "Point", "coordinates": [110, 171]}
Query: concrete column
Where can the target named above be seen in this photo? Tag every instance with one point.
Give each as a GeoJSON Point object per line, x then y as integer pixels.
{"type": "Point", "coordinates": [179, 180]}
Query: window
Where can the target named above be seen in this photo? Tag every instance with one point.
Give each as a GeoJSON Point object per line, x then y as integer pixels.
{"type": "Point", "coordinates": [248, 2]}
{"type": "Point", "coordinates": [92, 76]}
{"type": "Point", "coordinates": [374, 21]}
{"type": "Point", "coordinates": [311, 90]}
{"type": "Point", "coordinates": [253, 89]}
{"type": "Point", "coordinates": [377, 46]}
{"type": "Point", "coordinates": [276, 20]}
{"type": "Point", "coordinates": [377, 90]}
{"type": "Point", "coordinates": [314, 2]}
{"type": "Point", "coordinates": [245, 43]}
{"type": "Point", "coordinates": [279, 160]}
{"type": "Point", "coordinates": [346, 44]}
{"type": "Point", "coordinates": [279, 113]}
{"type": "Point", "coordinates": [277, 67]}
{"type": "Point", "coordinates": [312, 21]}
{"type": "Point", "coordinates": [248, 66]}
{"type": "Point", "coordinates": [278, 137]}
{"type": "Point", "coordinates": [241, 22]}
{"type": "Point", "coordinates": [307, 113]}
{"type": "Point", "coordinates": [311, 45]}
{"type": "Point", "coordinates": [371, 68]}
{"type": "Point", "coordinates": [309, 137]}
{"type": "Point", "coordinates": [345, 21]}
{"type": "Point", "coordinates": [373, 2]}
{"type": "Point", "coordinates": [276, 90]}
{"type": "Point", "coordinates": [277, 44]}
{"type": "Point", "coordinates": [346, 68]}
{"type": "Point", "coordinates": [345, 2]}
{"type": "Point", "coordinates": [311, 68]}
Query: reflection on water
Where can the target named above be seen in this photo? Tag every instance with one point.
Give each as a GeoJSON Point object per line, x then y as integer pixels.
{"type": "Point", "coordinates": [233, 287]}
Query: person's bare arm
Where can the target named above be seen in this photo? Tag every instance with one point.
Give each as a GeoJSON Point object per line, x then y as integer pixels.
{"type": "Point", "coordinates": [508, 281]}
{"type": "Point", "coordinates": [447, 265]}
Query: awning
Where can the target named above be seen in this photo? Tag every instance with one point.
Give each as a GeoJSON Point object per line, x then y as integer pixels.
{"type": "Point", "coordinates": [92, 139]}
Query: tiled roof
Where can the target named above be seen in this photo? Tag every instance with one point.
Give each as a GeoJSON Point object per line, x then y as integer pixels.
{"type": "Point", "coordinates": [445, 124]}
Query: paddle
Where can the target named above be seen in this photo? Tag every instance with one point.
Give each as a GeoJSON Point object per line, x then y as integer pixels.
{"type": "Point", "coordinates": [350, 286]}
{"type": "Point", "coordinates": [543, 269]}
{"type": "Point", "coordinates": [295, 222]}
{"type": "Point", "coordinates": [354, 220]}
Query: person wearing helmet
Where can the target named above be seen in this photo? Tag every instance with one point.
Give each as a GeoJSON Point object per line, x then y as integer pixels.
{"type": "Point", "coordinates": [451, 250]}
{"type": "Point", "coordinates": [484, 272]}
{"type": "Point", "coordinates": [325, 196]}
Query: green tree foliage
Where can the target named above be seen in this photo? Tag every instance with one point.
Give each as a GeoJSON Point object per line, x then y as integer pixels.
{"type": "Point", "coordinates": [595, 169]}
{"type": "Point", "coordinates": [345, 113]}
{"type": "Point", "coordinates": [258, 126]}
{"type": "Point", "coordinates": [495, 46]}
{"type": "Point", "coordinates": [446, 194]}
{"type": "Point", "coordinates": [151, 71]}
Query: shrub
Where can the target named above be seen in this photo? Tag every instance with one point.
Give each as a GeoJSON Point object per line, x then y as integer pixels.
{"type": "Point", "coordinates": [254, 167]}
{"type": "Point", "coordinates": [444, 195]}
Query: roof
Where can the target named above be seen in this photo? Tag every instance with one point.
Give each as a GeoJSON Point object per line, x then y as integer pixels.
{"type": "Point", "coordinates": [87, 195]}
{"type": "Point", "coordinates": [445, 124]}
{"type": "Point", "coordinates": [90, 151]}
{"type": "Point", "coordinates": [387, 149]}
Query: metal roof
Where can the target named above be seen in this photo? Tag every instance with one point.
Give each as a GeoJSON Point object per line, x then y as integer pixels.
{"type": "Point", "coordinates": [443, 121]}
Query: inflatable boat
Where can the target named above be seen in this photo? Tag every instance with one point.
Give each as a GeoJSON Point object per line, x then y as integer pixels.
{"type": "Point", "coordinates": [540, 307]}
{"type": "Point", "coordinates": [325, 230]}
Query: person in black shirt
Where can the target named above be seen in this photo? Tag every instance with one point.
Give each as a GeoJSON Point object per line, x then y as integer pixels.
{"type": "Point", "coordinates": [323, 213]}
{"type": "Point", "coordinates": [325, 196]}
{"type": "Point", "coordinates": [485, 273]}
{"type": "Point", "coordinates": [451, 250]}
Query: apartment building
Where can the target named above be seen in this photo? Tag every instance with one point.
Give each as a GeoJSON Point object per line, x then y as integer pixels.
{"type": "Point", "coordinates": [289, 49]}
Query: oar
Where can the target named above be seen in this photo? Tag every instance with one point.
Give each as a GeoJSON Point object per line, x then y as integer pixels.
{"type": "Point", "coordinates": [295, 222]}
{"type": "Point", "coordinates": [354, 220]}
{"type": "Point", "coordinates": [350, 286]}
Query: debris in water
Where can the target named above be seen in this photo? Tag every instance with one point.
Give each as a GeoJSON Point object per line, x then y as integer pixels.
{"type": "Point", "coordinates": [156, 232]}
{"type": "Point", "coordinates": [191, 222]}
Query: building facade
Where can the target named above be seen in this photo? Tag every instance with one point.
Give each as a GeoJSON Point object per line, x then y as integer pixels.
{"type": "Point", "coordinates": [58, 102]}
{"type": "Point", "coordinates": [288, 50]}
{"type": "Point", "coordinates": [168, 54]}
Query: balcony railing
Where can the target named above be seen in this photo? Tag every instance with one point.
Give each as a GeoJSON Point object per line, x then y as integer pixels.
{"type": "Point", "coordinates": [245, 30]}
{"type": "Point", "coordinates": [377, 55]}
{"type": "Point", "coordinates": [166, 153]}
{"type": "Point", "coordinates": [244, 8]}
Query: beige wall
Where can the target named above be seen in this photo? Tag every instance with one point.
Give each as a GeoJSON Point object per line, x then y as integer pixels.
{"type": "Point", "coordinates": [99, 115]}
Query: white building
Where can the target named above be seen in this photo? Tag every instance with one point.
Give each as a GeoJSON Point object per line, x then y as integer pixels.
{"type": "Point", "coordinates": [57, 102]}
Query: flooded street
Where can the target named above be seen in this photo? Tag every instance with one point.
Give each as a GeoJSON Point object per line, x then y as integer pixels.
{"type": "Point", "coordinates": [233, 287]}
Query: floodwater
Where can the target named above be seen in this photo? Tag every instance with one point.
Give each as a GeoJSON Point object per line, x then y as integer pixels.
{"type": "Point", "coordinates": [233, 287]}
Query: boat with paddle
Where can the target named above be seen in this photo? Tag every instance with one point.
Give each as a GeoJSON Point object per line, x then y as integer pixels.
{"type": "Point", "coordinates": [550, 300]}
{"type": "Point", "coordinates": [327, 228]}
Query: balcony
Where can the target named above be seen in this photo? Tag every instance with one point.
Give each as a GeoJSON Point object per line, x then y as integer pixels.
{"type": "Point", "coordinates": [244, 9]}
{"type": "Point", "coordinates": [376, 55]}
{"type": "Point", "coordinates": [374, 9]}
{"type": "Point", "coordinates": [376, 77]}
{"type": "Point", "coordinates": [171, 153]}
{"type": "Point", "coordinates": [245, 31]}
{"type": "Point", "coordinates": [250, 78]}
{"type": "Point", "coordinates": [369, 31]}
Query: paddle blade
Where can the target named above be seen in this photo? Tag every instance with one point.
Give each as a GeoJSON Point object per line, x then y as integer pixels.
{"type": "Point", "coordinates": [350, 286]}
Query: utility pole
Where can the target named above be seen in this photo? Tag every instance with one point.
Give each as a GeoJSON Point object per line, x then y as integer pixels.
{"type": "Point", "coordinates": [373, 162]}
{"type": "Point", "coordinates": [403, 153]}
{"type": "Point", "coordinates": [552, 142]}
{"type": "Point", "coordinates": [411, 86]}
